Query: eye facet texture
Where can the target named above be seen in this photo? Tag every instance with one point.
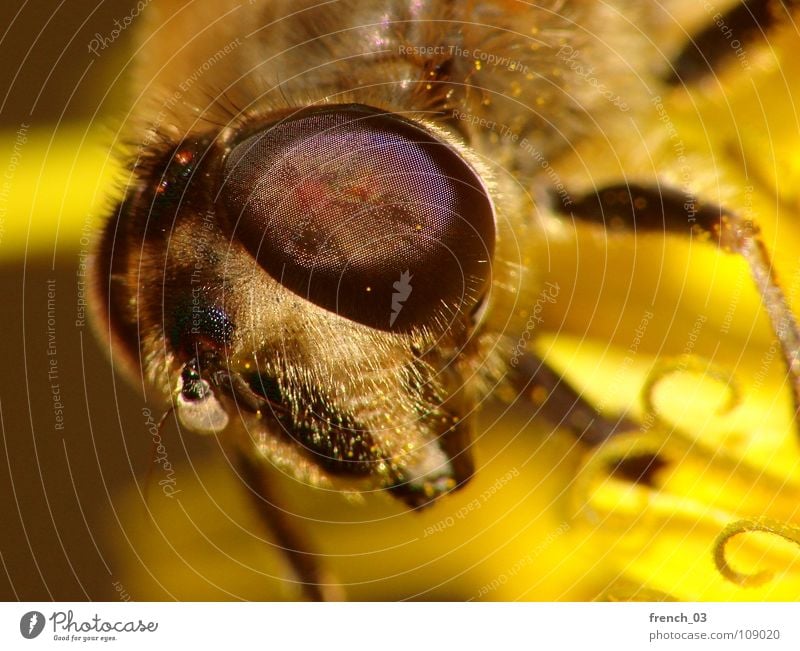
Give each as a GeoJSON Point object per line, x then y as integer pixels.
{"type": "Point", "coordinates": [363, 213]}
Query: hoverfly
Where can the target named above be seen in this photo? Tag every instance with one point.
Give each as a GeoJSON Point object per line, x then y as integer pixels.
{"type": "Point", "coordinates": [325, 248]}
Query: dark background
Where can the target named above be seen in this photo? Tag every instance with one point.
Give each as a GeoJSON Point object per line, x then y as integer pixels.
{"type": "Point", "coordinates": [58, 488]}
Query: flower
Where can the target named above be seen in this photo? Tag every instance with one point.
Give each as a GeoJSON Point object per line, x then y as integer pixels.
{"type": "Point", "coordinates": [699, 503]}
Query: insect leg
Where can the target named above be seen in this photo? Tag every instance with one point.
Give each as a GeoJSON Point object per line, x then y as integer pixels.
{"type": "Point", "coordinates": [726, 36]}
{"type": "Point", "coordinates": [562, 404]}
{"type": "Point", "coordinates": [289, 538]}
{"type": "Point", "coordinates": [666, 210]}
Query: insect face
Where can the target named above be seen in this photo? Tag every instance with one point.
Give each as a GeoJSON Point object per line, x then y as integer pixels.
{"type": "Point", "coordinates": [321, 280]}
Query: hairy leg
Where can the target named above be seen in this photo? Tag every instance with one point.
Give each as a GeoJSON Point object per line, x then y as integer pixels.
{"type": "Point", "coordinates": [291, 539]}
{"type": "Point", "coordinates": [562, 405]}
{"type": "Point", "coordinates": [643, 208]}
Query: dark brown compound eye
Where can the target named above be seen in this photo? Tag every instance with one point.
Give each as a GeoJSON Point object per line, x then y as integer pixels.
{"type": "Point", "coordinates": [363, 213]}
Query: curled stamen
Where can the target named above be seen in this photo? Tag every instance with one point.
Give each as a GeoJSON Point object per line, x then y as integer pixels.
{"type": "Point", "coordinates": [688, 364]}
{"type": "Point", "coordinates": [765, 525]}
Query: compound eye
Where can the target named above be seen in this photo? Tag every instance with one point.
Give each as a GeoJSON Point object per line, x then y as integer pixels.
{"type": "Point", "coordinates": [363, 213]}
